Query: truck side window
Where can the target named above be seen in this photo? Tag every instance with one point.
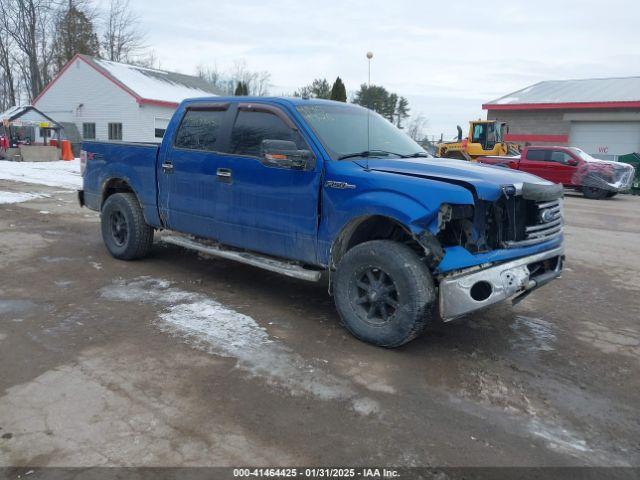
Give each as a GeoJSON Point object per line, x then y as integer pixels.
{"type": "Point", "coordinates": [199, 129]}
{"type": "Point", "coordinates": [559, 157]}
{"type": "Point", "coordinates": [537, 155]}
{"type": "Point", "coordinates": [251, 127]}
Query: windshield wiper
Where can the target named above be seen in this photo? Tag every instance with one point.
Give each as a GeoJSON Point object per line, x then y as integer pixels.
{"type": "Point", "coordinates": [416, 155]}
{"type": "Point", "coordinates": [368, 153]}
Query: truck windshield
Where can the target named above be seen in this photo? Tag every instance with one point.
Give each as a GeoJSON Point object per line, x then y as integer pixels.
{"type": "Point", "coordinates": [343, 132]}
{"type": "Point", "coordinates": [583, 155]}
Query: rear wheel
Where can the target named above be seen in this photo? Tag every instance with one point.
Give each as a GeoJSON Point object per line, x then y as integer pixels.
{"type": "Point", "coordinates": [384, 293]}
{"type": "Point", "coordinates": [124, 231]}
{"type": "Point", "coordinates": [594, 193]}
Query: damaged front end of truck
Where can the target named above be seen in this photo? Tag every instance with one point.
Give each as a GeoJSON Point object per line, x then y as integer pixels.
{"type": "Point", "coordinates": [514, 242]}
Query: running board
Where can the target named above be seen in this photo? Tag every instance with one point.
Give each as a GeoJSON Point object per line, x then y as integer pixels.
{"type": "Point", "coordinates": [253, 259]}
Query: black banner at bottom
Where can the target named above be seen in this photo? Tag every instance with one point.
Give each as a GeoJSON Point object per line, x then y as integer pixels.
{"type": "Point", "coordinates": [390, 473]}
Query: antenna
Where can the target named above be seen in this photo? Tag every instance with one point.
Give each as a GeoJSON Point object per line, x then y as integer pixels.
{"type": "Point", "coordinates": [368, 136]}
{"type": "Point", "coordinates": [369, 57]}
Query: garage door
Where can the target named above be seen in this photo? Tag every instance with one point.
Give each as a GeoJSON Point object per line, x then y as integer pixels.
{"type": "Point", "coordinates": [606, 140]}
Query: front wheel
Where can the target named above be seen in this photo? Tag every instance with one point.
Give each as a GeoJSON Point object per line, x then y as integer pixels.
{"type": "Point", "coordinates": [384, 293]}
{"type": "Point", "coordinates": [124, 231]}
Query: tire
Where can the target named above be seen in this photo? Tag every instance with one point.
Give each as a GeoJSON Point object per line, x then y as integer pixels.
{"type": "Point", "coordinates": [611, 194]}
{"type": "Point", "coordinates": [124, 231]}
{"type": "Point", "coordinates": [391, 276]}
{"type": "Point", "coordinates": [594, 193]}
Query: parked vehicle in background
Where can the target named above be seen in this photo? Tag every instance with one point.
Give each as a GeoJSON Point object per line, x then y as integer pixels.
{"type": "Point", "coordinates": [306, 186]}
{"type": "Point", "coordinates": [572, 168]}
{"type": "Point", "coordinates": [633, 159]}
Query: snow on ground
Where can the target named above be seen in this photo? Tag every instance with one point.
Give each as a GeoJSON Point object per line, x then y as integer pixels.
{"type": "Point", "coordinates": [17, 197]}
{"type": "Point", "coordinates": [54, 174]}
{"type": "Point", "coordinates": [206, 324]}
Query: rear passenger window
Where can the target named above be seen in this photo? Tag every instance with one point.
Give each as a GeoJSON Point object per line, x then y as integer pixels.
{"type": "Point", "coordinates": [538, 155]}
{"type": "Point", "coordinates": [199, 129]}
{"type": "Point", "coordinates": [252, 127]}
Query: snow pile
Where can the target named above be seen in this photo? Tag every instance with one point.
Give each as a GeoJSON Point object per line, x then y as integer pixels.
{"type": "Point", "coordinates": [54, 174]}
{"type": "Point", "coordinates": [206, 324]}
{"type": "Point", "coordinates": [150, 83]}
{"type": "Point", "coordinates": [17, 197]}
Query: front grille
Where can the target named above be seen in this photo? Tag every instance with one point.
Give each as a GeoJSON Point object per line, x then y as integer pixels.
{"type": "Point", "coordinates": [543, 222]}
{"type": "Point", "coordinates": [528, 218]}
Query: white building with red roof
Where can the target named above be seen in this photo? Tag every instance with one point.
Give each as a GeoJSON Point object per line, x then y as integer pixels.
{"type": "Point", "coordinates": [599, 115]}
{"type": "Point", "coordinates": [106, 100]}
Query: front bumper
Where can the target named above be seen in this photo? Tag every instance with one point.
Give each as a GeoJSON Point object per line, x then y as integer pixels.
{"type": "Point", "coordinates": [470, 290]}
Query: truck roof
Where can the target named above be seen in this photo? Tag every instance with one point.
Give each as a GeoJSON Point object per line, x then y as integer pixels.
{"type": "Point", "coordinates": [294, 101]}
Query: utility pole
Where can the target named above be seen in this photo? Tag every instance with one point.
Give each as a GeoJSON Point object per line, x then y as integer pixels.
{"type": "Point", "coordinates": [369, 57]}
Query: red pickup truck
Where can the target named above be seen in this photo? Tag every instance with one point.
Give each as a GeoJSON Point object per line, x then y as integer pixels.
{"type": "Point", "coordinates": [571, 167]}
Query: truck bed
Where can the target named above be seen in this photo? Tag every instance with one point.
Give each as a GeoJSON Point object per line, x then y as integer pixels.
{"type": "Point", "coordinates": [133, 161]}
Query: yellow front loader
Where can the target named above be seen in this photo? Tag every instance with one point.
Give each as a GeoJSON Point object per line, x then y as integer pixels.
{"type": "Point", "coordinates": [485, 139]}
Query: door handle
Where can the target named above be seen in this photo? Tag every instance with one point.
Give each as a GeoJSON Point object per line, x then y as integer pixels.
{"type": "Point", "coordinates": [224, 174]}
{"type": "Point", "coordinates": [167, 167]}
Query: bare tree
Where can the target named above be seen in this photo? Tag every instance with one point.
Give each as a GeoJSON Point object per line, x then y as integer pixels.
{"type": "Point", "coordinates": [29, 24]}
{"type": "Point", "coordinates": [122, 38]}
{"type": "Point", "coordinates": [415, 127]}
{"type": "Point", "coordinates": [6, 68]}
{"type": "Point", "coordinates": [257, 83]}
{"type": "Point", "coordinates": [214, 77]}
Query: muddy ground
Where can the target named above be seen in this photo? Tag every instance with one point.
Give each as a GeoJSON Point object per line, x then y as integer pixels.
{"type": "Point", "coordinates": [181, 360]}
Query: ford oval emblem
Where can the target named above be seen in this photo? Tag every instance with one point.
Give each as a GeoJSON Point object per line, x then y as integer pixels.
{"type": "Point", "coordinates": [548, 216]}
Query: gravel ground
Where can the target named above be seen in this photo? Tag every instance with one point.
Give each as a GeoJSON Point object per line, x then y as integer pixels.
{"type": "Point", "coordinates": [179, 360]}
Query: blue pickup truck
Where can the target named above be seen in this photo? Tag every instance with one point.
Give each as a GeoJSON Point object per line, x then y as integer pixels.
{"type": "Point", "coordinates": [307, 187]}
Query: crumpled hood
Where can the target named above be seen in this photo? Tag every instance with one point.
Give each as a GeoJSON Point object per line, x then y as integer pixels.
{"type": "Point", "coordinates": [487, 180]}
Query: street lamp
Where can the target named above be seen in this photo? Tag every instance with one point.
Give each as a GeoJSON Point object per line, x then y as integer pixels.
{"type": "Point", "coordinates": [369, 57]}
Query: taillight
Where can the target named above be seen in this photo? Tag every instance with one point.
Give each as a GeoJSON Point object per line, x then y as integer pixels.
{"type": "Point", "coordinates": [83, 161]}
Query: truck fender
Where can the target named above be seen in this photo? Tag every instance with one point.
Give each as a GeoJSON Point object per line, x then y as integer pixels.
{"type": "Point", "coordinates": [120, 178]}
{"type": "Point", "coordinates": [373, 209]}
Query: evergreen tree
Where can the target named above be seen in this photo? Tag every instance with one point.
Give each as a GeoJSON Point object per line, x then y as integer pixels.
{"type": "Point", "coordinates": [390, 107]}
{"type": "Point", "coordinates": [319, 88]}
{"type": "Point", "coordinates": [402, 111]}
{"type": "Point", "coordinates": [338, 91]}
{"type": "Point", "coordinates": [74, 34]}
{"type": "Point", "coordinates": [373, 97]}
{"type": "Point", "coordinates": [386, 104]}
{"type": "Point", "coordinates": [241, 89]}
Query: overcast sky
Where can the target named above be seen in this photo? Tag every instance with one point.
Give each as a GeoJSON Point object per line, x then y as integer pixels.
{"type": "Point", "coordinates": [447, 57]}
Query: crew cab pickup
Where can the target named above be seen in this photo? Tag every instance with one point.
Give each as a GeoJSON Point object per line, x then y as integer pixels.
{"type": "Point", "coordinates": [571, 167]}
{"type": "Point", "coordinates": [313, 188]}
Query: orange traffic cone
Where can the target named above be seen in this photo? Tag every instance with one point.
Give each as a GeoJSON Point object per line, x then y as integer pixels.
{"type": "Point", "coordinates": [67, 154]}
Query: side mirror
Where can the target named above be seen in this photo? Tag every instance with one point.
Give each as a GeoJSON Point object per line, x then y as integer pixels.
{"type": "Point", "coordinates": [284, 154]}
{"type": "Point", "coordinates": [573, 162]}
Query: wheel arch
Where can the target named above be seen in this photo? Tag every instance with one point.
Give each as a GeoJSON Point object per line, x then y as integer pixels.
{"type": "Point", "coordinates": [383, 227]}
{"type": "Point", "coordinates": [115, 185]}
